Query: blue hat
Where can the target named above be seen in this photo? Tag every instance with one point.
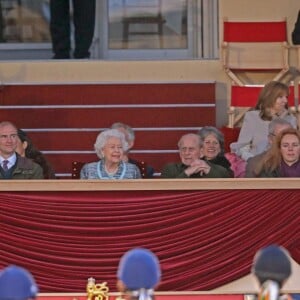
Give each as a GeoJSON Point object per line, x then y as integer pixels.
{"type": "Point", "coordinates": [272, 263]}
{"type": "Point", "coordinates": [139, 268]}
{"type": "Point", "coordinates": [17, 283]}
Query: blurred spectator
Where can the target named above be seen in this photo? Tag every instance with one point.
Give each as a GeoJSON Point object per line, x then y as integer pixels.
{"type": "Point", "coordinates": [25, 148]}
{"type": "Point", "coordinates": [138, 274]}
{"type": "Point", "coordinates": [17, 283]}
{"type": "Point", "coordinates": [271, 267]}
{"type": "Point", "coordinates": [130, 138]}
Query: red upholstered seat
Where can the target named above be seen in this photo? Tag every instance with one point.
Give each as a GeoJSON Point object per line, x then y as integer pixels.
{"type": "Point", "coordinates": [250, 46]}
{"type": "Point", "coordinates": [76, 167]}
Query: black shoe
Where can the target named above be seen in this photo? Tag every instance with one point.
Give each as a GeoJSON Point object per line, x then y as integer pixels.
{"type": "Point", "coordinates": [61, 56]}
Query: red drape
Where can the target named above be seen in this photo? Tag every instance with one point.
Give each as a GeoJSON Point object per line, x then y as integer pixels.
{"type": "Point", "coordinates": [204, 239]}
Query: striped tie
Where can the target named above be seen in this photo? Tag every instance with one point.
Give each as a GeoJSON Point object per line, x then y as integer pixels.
{"type": "Point", "coordinates": [4, 165]}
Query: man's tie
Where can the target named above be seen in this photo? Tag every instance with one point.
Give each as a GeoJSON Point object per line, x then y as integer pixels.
{"type": "Point", "coordinates": [4, 165]}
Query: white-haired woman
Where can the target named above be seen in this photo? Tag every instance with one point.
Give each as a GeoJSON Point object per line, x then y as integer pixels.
{"type": "Point", "coordinates": [110, 146]}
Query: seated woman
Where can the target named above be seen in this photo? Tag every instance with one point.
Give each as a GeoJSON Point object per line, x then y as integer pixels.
{"type": "Point", "coordinates": [282, 159]}
{"type": "Point", "coordinates": [213, 147]}
{"type": "Point", "coordinates": [25, 148]}
{"type": "Point", "coordinates": [272, 103]}
{"type": "Point", "coordinates": [110, 146]}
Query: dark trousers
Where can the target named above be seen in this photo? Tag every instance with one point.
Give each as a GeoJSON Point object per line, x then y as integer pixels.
{"type": "Point", "coordinates": [84, 23]}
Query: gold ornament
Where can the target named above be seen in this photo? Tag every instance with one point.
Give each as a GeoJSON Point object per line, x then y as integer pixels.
{"type": "Point", "coordinates": [97, 291]}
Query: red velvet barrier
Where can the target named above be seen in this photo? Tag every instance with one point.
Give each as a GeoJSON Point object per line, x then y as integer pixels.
{"type": "Point", "coordinates": [204, 239]}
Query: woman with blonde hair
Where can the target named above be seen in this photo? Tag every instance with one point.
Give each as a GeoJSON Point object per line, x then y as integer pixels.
{"type": "Point", "coordinates": [283, 158]}
{"type": "Point", "coordinates": [272, 103]}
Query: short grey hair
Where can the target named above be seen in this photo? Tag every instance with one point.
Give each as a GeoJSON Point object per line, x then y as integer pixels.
{"type": "Point", "coordinates": [194, 135]}
{"type": "Point", "coordinates": [211, 130]}
{"type": "Point", "coordinates": [103, 137]}
{"type": "Point", "coordinates": [127, 128]}
{"type": "Point", "coordinates": [277, 122]}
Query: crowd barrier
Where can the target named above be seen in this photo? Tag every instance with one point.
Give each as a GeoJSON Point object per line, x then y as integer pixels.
{"type": "Point", "coordinates": [204, 231]}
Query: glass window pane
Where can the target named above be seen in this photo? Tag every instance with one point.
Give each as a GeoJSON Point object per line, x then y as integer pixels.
{"type": "Point", "coordinates": [25, 21]}
{"type": "Point", "coordinates": [147, 24]}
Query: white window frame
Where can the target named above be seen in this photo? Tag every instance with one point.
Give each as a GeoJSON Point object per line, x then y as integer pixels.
{"type": "Point", "coordinates": [202, 36]}
{"type": "Point", "coordinates": [203, 39]}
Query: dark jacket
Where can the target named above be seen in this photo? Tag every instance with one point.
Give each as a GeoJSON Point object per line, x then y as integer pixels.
{"type": "Point", "coordinates": [24, 168]}
{"type": "Point", "coordinates": [221, 160]}
{"type": "Point", "coordinates": [176, 170]}
{"type": "Point", "coordinates": [252, 162]}
{"type": "Point", "coordinates": [296, 31]}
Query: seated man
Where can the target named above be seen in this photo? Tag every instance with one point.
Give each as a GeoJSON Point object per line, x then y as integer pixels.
{"type": "Point", "coordinates": [130, 137]}
{"type": "Point", "coordinates": [12, 165]}
{"type": "Point", "coordinates": [191, 166]}
{"type": "Point", "coordinates": [17, 283]}
{"type": "Point", "coordinates": [138, 274]}
{"type": "Point", "coordinates": [271, 267]}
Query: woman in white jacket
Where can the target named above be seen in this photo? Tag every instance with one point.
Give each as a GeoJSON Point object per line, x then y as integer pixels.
{"type": "Point", "coordinates": [272, 103]}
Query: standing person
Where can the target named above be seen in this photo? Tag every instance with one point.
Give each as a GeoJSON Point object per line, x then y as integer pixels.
{"type": "Point", "coordinates": [13, 166]}
{"type": "Point", "coordinates": [25, 148]}
{"type": "Point", "coordinates": [146, 170]}
{"type": "Point", "coordinates": [138, 274]}
{"type": "Point", "coordinates": [16, 283]}
{"type": "Point", "coordinates": [272, 103]}
{"type": "Point", "coordinates": [60, 27]}
{"type": "Point", "coordinates": [283, 159]}
{"type": "Point", "coordinates": [191, 166]}
{"type": "Point", "coordinates": [110, 146]}
{"type": "Point", "coordinates": [275, 127]}
{"type": "Point", "coordinates": [272, 267]}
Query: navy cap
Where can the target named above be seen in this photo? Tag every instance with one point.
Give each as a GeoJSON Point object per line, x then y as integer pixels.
{"type": "Point", "coordinates": [17, 283]}
{"type": "Point", "coordinates": [272, 263]}
{"type": "Point", "coordinates": [139, 268]}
